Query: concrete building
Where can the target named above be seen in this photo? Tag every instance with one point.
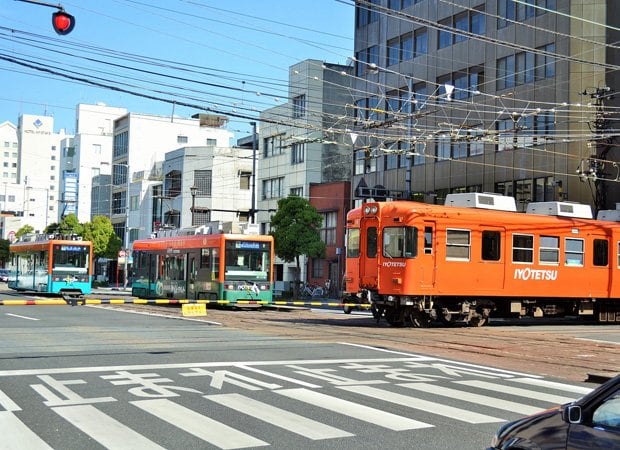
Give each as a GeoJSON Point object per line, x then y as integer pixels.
{"type": "Point", "coordinates": [492, 96]}
{"type": "Point", "coordinates": [140, 144]}
{"type": "Point", "coordinates": [38, 168]}
{"type": "Point", "coordinates": [86, 160]}
{"type": "Point", "coordinates": [299, 145]}
{"type": "Point", "coordinates": [9, 154]}
{"type": "Point", "coordinates": [220, 177]}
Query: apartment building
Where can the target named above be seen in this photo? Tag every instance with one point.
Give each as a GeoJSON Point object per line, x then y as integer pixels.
{"type": "Point", "coordinates": [302, 143]}
{"type": "Point", "coordinates": [490, 96]}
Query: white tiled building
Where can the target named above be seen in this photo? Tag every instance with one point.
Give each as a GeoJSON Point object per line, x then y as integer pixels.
{"type": "Point", "coordinates": [38, 168]}
{"type": "Point", "coordinates": [87, 159]}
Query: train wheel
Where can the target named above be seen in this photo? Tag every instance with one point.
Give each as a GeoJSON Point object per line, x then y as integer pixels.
{"type": "Point", "coordinates": [395, 317]}
{"type": "Point", "coordinates": [478, 321]}
{"type": "Point", "coordinates": [419, 319]}
{"type": "Point", "coordinates": [347, 309]}
{"type": "Point", "coordinates": [445, 318]}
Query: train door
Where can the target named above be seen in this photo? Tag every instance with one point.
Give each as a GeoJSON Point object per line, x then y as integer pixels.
{"type": "Point", "coordinates": [428, 257]}
{"type": "Point", "coordinates": [369, 265]}
{"type": "Point", "coordinates": [488, 257]}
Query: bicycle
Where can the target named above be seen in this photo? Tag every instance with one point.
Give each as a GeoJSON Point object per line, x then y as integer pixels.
{"type": "Point", "coordinates": [312, 291]}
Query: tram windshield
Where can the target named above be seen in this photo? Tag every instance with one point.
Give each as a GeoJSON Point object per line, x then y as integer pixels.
{"type": "Point", "coordinates": [69, 258]}
{"type": "Point", "coordinates": [247, 260]}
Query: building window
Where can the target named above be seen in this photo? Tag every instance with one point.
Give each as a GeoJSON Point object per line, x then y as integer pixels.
{"type": "Point", "coordinates": [299, 106]}
{"type": "Point", "coordinates": [121, 143]}
{"type": "Point", "coordinates": [525, 67]}
{"type": "Point", "coordinates": [329, 227]}
{"type": "Point", "coordinates": [202, 216]}
{"type": "Point", "coordinates": [244, 180]}
{"type": "Point", "coordinates": [545, 64]}
{"type": "Point", "coordinates": [182, 139]}
{"type": "Point", "coordinates": [203, 180]}
{"type": "Point", "coordinates": [272, 145]}
{"type": "Point", "coordinates": [443, 147]}
{"type": "Point", "coordinates": [211, 142]}
{"type": "Point", "coordinates": [466, 22]}
{"type": "Point", "coordinates": [273, 188]}
{"type": "Point", "coordinates": [421, 42]}
{"type": "Point", "coordinates": [393, 51]}
{"type": "Point", "coordinates": [366, 14]}
{"type": "Point", "coordinates": [298, 151]}
{"type": "Point", "coordinates": [364, 58]}
{"type": "Point", "coordinates": [172, 183]}
{"type": "Point", "coordinates": [297, 191]}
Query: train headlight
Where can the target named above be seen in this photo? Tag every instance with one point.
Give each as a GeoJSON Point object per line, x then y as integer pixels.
{"type": "Point", "coordinates": [366, 209]}
{"type": "Point", "coordinates": [374, 209]}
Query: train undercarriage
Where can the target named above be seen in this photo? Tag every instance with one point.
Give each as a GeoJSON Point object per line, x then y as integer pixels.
{"type": "Point", "coordinates": [422, 311]}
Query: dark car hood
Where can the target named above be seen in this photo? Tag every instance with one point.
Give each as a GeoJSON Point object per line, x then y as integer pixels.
{"type": "Point", "coordinates": [546, 426]}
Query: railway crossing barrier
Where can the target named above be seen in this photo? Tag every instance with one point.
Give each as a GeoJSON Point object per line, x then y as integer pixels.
{"type": "Point", "coordinates": [139, 301]}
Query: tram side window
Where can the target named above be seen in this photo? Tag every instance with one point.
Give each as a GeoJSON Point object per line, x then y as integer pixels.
{"type": "Point", "coordinates": [600, 256]}
{"type": "Point", "coordinates": [522, 248]}
{"type": "Point", "coordinates": [549, 250]}
{"type": "Point", "coordinates": [353, 243]}
{"type": "Point", "coordinates": [491, 245]}
{"type": "Point", "coordinates": [174, 268]}
{"type": "Point", "coordinates": [371, 242]}
{"type": "Point", "coordinates": [458, 243]}
{"type": "Point", "coordinates": [400, 242]}
{"type": "Point", "coordinates": [573, 254]}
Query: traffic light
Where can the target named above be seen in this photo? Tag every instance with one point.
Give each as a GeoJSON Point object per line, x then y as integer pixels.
{"type": "Point", "coordinates": [62, 22]}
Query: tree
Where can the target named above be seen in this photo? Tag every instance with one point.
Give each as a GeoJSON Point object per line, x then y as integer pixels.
{"type": "Point", "coordinates": [68, 226]}
{"type": "Point", "coordinates": [295, 229]}
{"type": "Point", "coordinates": [26, 229]}
{"type": "Point", "coordinates": [4, 251]}
{"type": "Point", "coordinates": [100, 231]}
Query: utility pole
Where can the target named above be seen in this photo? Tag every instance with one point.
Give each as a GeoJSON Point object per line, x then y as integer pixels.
{"type": "Point", "coordinates": [253, 207]}
{"type": "Point", "coordinates": [594, 168]}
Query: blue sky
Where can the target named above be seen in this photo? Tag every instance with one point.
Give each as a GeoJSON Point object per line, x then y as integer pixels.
{"type": "Point", "coordinates": [231, 56]}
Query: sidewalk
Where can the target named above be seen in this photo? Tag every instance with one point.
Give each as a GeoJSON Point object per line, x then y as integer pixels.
{"type": "Point", "coordinates": [102, 290]}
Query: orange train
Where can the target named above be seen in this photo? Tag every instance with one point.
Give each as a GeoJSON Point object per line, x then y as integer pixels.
{"type": "Point", "coordinates": [476, 257]}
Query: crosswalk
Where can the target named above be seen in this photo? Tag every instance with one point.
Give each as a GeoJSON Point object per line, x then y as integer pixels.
{"type": "Point", "coordinates": [398, 407]}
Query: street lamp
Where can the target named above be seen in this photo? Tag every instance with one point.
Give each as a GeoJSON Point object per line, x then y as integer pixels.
{"type": "Point", "coordinates": [193, 190]}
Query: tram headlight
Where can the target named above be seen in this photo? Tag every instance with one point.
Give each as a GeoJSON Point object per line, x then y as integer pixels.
{"type": "Point", "coordinates": [366, 209]}
{"type": "Point", "coordinates": [374, 209]}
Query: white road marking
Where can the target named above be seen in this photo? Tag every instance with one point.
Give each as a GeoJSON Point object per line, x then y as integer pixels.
{"type": "Point", "coordinates": [355, 410]}
{"type": "Point", "coordinates": [7, 404]}
{"type": "Point", "coordinates": [553, 385]}
{"type": "Point", "coordinates": [203, 427]}
{"type": "Point", "coordinates": [552, 398]}
{"type": "Point", "coordinates": [278, 417]}
{"type": "Point", "coordinates": [104, 429]}
{"type": "Point", "coordinates": [423, 405]}
{"type": "Point", "coordinates": [493, 402]}
{"type": "Point", "coordinates": [15, 434]}
{"type": "Point", "coordinates": [22, 317]}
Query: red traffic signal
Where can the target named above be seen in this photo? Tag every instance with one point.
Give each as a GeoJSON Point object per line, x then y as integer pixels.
{"type": "Point", "coordinates": [62, 22]}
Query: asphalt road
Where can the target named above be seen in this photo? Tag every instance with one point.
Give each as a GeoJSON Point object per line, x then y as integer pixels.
{"type": "Point", "coordinates": [94, 377]}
